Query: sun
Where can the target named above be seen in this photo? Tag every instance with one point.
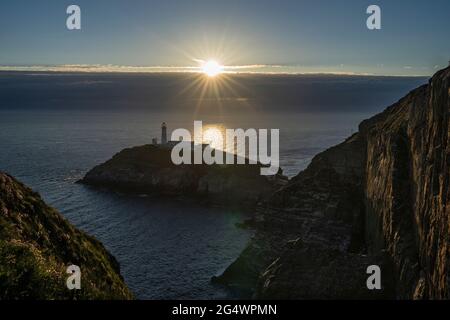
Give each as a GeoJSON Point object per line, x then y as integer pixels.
{"type": "Point", "coordinates": [212, 68]}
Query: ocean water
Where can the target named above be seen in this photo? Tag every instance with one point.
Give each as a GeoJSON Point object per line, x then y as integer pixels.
{"type": "Point", "coordinates": [166, 249]}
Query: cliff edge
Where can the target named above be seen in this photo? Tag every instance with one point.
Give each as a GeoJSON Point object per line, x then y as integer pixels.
{"type": "Point", "coordinates": [37, 245]}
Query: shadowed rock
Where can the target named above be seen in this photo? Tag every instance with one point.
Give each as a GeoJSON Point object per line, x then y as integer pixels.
{"type": "Point", "coordinates": [381, 197]}
{"type": "Point", "coordinates": [149, 169]}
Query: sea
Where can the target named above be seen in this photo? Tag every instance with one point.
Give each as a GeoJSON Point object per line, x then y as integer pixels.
{"type": "Point", "coordinates": [54, 127]}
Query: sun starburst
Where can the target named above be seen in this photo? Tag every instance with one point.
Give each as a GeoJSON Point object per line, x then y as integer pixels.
{"type": "Point", "coordinates": [211, 68]}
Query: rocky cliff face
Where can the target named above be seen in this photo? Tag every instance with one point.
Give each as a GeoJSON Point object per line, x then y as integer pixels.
{"type": "Point", "coordinates": [149, 169]}
{"type": "Point", "coordinates": [407, 189]}
{"type": "Point", "coordinates": [37, 245]}
{"type": "Point", "coordinates": [380, 198]}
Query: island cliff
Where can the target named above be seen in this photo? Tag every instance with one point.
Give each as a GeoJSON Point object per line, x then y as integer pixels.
{"type": "Point", "coordinates": [379, 198]}
{"type": "Point", "coordinates": [37, 245]}
{"type": "Point", "coordinates": [149, 169]}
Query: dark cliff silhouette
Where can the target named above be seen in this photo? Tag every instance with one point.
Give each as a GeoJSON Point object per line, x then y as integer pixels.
{"type": "Point", "coordinates": [379, 198]}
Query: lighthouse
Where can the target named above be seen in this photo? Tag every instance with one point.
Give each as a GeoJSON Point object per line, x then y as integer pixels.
{"type": "Point", "coordinates": [163, 133]}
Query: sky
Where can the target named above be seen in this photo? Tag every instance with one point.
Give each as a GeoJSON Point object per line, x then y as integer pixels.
{"type": "Point", "coordinates": [321, 36]}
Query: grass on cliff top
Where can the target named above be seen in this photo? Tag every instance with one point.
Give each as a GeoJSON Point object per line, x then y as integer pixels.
{"type": "Point", "coordinates": [37, 245]}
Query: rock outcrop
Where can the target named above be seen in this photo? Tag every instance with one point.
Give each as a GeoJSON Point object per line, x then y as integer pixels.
{"type": "Point", "coordinates": [149, 169]}
{"type": "Point", "coordinates": [379, 198]}
{"type": "Point", "coordinates": [37, 245]}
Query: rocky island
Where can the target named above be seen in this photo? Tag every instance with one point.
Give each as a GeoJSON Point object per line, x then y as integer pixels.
{"type": "Point", "coordinates": [37, 245]}
{"type": "Point", "coordinates": [379, 198]}
{"type": "Point", "coordinates": [148, 169]}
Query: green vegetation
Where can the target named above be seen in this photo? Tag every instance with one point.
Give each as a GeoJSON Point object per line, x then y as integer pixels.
{"type": "Point", "coordinates": [37, 245]}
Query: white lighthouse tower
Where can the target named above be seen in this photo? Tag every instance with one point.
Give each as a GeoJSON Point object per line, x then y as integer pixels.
{"type": "Point", "coordinates": [163, 133]}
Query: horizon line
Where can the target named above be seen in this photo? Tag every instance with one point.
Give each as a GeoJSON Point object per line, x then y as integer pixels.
{"type": "Point", "coordinates": [264, 69]}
